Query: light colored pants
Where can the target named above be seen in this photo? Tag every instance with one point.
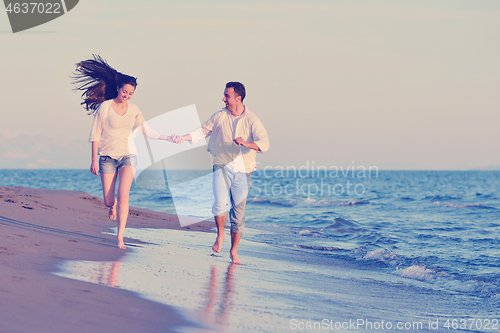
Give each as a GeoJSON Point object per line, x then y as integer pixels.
{"type": "Point", "coordinates": [234, 186]}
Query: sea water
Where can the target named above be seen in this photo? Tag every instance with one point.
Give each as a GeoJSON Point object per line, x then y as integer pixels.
{"type": "Point", "coordinates": [323, 251]}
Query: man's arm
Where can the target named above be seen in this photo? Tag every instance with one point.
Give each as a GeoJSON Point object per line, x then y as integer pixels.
{"type": "Point", "coordinates": [199, 133]}
{"type": "Point", "coordinates": [252, 145]}
{"type": "Point", "coordinates": [259, 136]}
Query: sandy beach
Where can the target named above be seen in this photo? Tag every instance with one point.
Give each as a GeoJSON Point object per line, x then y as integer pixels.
{"type": "Point", "coordinates": [61, 272]}
{"type": "Point", "coordinates": [40, 228]}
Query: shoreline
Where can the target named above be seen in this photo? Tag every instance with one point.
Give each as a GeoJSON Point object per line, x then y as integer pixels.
{"type": "Point", "coordinates": [58, 267]}
{"type": "Point", "coordinates": [40, 228]}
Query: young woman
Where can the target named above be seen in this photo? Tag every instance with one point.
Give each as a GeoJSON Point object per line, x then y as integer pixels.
{"type": "Point", "coordinates": [106, 94]}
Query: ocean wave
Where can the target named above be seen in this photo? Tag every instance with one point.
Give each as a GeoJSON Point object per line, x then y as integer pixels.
{"type": "Point", "coordinates": [484, 195]}
{"type": "Point", "coordinates": [354, 203]}
{"type": "Point", "coordinates": [162, 197]}
{"type": "Point", "coordinates": [306, 232]}
{"type": "Point", "coordinates": [341, 225]}
{"type": "Point", "coordinates": [294, 244]}
{"type": "Point", "coordinates": [453, 205]}
{"type": "Point", "coordinates": [317, 248]}
{"type": "Point", "coordinates": [305, 203]}
{"type": "Point", "coordinates": [373, 238]}
{"type": "Point", "coordinates": [483, 289]}
{"type": "Point", "coordinates": [447, 229]}
{"type": "Point", "coordinates": [473, 286]}
{"type": "Point", "coordinates": [440, 198]}
{"type": "Point", "coordinates": [420, 272]}
{"type": "Point", "coordinates": [383, 255]}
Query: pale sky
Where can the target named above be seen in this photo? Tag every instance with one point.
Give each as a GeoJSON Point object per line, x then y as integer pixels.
{"type": "Point", "coordinates": [394, 84]}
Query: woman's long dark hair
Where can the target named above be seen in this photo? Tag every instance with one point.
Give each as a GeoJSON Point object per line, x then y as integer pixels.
{"type": "Point", "coordinates": [99, 82]}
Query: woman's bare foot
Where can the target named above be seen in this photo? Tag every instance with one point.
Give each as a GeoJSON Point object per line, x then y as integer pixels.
{"type": "Point", "coordinates": [112, 212]}
{"type": "Point", "coordinates": [218, 244]}
{"type": "Point", "coordinates": [121, 245]}
{"type": "Point", "coordinates": [234, 259]}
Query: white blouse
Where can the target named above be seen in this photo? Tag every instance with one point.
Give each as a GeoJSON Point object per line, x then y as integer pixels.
{"type": "Point", "coordinates": [113, 132]}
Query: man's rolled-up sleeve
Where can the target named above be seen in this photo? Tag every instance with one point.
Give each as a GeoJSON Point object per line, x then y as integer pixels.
{"type": "Point", "coordinates": [205, 129]}
{"type": "Point", "coordinates": [260, 137]}
{"type": "Point", "coordinates": [197, 135]}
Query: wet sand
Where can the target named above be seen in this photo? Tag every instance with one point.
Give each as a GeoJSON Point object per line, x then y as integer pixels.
{"type": "Point", "coordinates": [40, 228]}
{"type": "Point", "coordinates": [61, 272]}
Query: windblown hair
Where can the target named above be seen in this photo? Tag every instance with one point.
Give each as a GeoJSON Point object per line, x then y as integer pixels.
{"type": "Point", "coordinates": [99, 82]}
{"type": "Point", "coordinates": [238, 88]}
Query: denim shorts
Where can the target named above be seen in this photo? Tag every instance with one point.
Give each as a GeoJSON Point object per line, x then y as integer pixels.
{"type": "Point", "coordinates": [111, 165]}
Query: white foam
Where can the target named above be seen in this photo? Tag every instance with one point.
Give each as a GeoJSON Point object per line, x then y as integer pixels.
{"type": "Point", "coordinates": [305, 233]}
{"type": "Point", "coordinates": [418, 273]}
{"type": "Point", "coordinates": [453, 205]}
{"type": "Point", "coordinates": [309, 233]}
{"type": "Point", "coordinates": [381, 255]}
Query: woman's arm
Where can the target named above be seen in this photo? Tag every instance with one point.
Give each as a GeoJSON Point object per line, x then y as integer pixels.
{"type": "Point", "coordinates": [166, 138]}
{"type": "Point", "coordinates": [154, 135]}
{"type": "Point", "coordinates": [148, 131]}
{"type": "Point", "coordinates": [94, 166]}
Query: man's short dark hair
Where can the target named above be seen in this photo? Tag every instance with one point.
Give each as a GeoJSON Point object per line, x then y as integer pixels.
{"type": "Point", "coordinates": [238, 88]}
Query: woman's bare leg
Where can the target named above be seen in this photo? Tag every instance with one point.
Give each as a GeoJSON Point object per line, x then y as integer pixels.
{"type": "Point", "coordinates": [108, 181]}
{"type": "Point", "coordinates": [126, 178]}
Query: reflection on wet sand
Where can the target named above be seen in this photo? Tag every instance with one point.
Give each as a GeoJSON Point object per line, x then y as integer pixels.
{"type": "Point", "coordinates": [107, 274]}
{"type": "Point", "coordinates": [219, 317]}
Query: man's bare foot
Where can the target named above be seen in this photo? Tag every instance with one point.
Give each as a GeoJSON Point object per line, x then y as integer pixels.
{"type": "Point", "coordinates": [112, 212]}
{"type": "Point", "coordinates": [121, 245]}
{"type": "Point", "coordinates": [234, 259]}
{"type": "Point", "coordinates": [218, 244]}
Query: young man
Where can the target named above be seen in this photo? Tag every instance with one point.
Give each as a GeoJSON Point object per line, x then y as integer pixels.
{"type": "Point", "coordinates": [236, 135]}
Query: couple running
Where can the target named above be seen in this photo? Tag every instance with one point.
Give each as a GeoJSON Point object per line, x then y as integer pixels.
{"type": "Point", "coordinates": [236, 135]}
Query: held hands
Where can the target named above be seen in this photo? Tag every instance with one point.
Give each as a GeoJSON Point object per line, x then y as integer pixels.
{"type": "Point", "coordinates": [166, 138]}
{"type": "Point", "coordinates": [179, 139]}
{"type": "Point", "coordinates": [174, 138]}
